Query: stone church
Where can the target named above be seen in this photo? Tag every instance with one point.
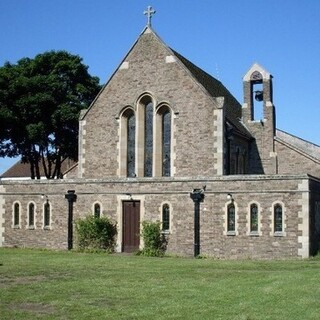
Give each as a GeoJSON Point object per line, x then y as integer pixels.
{"type": "Point", "coordinates": [165, 141]}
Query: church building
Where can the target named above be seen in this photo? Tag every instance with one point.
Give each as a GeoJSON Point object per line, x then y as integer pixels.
{"type": "Point", "coordinates": [165, 141]}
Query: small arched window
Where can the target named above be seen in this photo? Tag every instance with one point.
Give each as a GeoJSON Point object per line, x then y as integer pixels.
{"type": "Point", "coordinates": [16, 215]}
{"type": "Point", "coordinates": [254, 225]}
{"type": "Point", "coordinates": [231, 218]}
{"type": "Point", "coordinates": [278, 218]}
{"type": "Point", "coordinates": [46, 215]}
{"type": "Point", "coordinates": [31, 215]}
{"type": "Point", "coordinates": [165, 217]}
{"type": "Point", "coordinates": [97, 210]}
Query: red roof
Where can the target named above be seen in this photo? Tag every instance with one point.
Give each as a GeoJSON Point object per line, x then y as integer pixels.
{"type": "Point", "coordinates": [22, 170]}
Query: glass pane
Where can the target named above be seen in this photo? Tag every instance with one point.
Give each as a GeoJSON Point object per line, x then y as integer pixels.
{"type": "Point", "coordinates": [47, 214]}
{"type": "Point", "coordinates": [131, 159]}
{"type": "Point", "coordinates": [148, 147]}
{"type": "Point", "coordinates": [31, 214]}
{"type": "Point", "coordinates": [97, 210]}
{"type": "Point", "coordinates": [253, 218]}
{"type": "Point", "coordinates": [278, 218]}
{"type": "Point", "coordinates": [165, 217]}
{"type": "Point", "coordinates": [166, 143]}
{"type": "Point", "coordinates": [16, 214]}
{"type": "Point", "coordinates": [231, 218]}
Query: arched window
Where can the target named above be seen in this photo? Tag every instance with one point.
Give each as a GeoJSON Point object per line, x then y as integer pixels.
{"type": "Point", "coordinates": [16, 215]}
{"type": "Point", "coordinates": [162, 147]}
{"type": "Point", "coordinates": [148, 140]}
{"type": "Point", "coordinates": [31, 215]}
{"type": "Point", "coordinates": [97, 210]}
{"type": "Point", "coordinates": [46, 215]}
{"type": "Point", "coordinates": [231, 218]}
{"type": "Point", "coordinates": [165, 217]}
{"type": "Point", "coordinates": [278, 218]}
{"type": "Point", "coordinates": [131, 144]}
{"type": "Point", "coordinates": [166, 143]}
{"type": "Point", "coordinates": [254, 225]}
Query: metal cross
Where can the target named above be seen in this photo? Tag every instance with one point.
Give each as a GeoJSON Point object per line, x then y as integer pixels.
{"type": "Point", "coordinates": [149, 12]}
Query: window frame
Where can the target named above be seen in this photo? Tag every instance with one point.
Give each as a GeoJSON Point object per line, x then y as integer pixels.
{"type": "Point", "coordinates": [47, 219]}
{"type": "Point", "coordinates": [31, 226]}
{"type": "Point", "coordinates": [16, 215]}
{"type": "Point", "coordinates": [167, 220]}
{"type": "Point", "coordinates": [94, 209]}
{"type": "Point", "coordinates": [254, 232]}
{"type": "Point", "coordinates": [229, 231]}
{"type": "Point", "coordinates": [274, 222]}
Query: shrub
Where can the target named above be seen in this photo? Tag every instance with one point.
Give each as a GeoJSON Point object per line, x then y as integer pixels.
{"type": "Point", "coordinates": [96, 233]}
{"type": "Point", "coordinates": [154, 241]}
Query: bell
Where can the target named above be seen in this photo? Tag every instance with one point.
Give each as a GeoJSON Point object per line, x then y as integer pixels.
{"type": "Point", "coordinates": [258, 95]}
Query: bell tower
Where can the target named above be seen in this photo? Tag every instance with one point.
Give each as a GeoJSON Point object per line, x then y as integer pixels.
{"type": "Point", "coordinates": [257, 89]}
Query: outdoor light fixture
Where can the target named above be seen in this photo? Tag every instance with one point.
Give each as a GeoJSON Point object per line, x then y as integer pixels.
{"type": "Point", "coordinates": [44, 196]}
{"type": "Point", "coordinates": [229, 197]}
{"type": "Point", "coordinates": [197, 195]}
{"type": "Point", "coordinates": [71, 198]}
{"type": "Point", "coordinates": [130, 196]}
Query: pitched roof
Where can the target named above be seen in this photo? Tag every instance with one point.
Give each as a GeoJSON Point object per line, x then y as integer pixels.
{"type": "Point", "coordinates": [22, 170]}
{"type": "Point", "coordinates": [306, 148]}
{"type": "Point", "coordinates": [216, 89]}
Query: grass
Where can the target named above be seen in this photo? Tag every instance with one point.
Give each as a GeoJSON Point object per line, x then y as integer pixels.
{"type": "Point", "coordinates": [38, 284]}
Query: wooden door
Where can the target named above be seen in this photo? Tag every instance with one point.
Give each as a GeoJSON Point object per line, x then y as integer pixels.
{"type": "Point", "coordinates": [131, 226]}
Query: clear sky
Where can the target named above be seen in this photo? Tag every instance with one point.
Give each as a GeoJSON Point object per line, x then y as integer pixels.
{"type": "Point", "coordinates": [222, 37]}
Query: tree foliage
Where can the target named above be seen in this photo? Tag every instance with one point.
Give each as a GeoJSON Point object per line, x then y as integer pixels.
{"type": "Point", "coordinates": [40, 103]}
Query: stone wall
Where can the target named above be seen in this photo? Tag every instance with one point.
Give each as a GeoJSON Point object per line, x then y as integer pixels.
{"type": "Point", "coordinates": [291, 191]}
{"type": "Point", "coordinates": [151, 68]}
{"type": "Point", "coordinates": [292, 161]}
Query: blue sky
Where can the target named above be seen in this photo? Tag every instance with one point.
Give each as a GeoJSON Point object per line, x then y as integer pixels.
{"type": "Point", "coordinates": [222, 37]}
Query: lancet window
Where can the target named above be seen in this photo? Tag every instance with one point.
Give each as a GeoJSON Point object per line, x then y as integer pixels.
{"type": "Point", "coordinates": [31, 215]}
{"type": "Point", "coordinates": [145, 139]}
{"type": "Point", "coordinates": [278, 218]}
{"type": "Point", "coordinates": [46, 215]}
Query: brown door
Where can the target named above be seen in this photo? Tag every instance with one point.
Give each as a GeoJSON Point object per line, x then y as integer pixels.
{"type": "Point", "coordinates": [131, 226]}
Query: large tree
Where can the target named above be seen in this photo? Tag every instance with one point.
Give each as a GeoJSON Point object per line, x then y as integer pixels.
{"type": "Point", "coordinates": [40, 103]}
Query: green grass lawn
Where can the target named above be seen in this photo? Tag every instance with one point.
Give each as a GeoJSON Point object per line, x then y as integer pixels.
{"type": "Point", "coordinates": [69, 285]}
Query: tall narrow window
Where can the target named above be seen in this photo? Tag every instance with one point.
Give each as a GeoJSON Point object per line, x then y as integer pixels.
{"type": "Point", "coordinates": [231, 218]}
{"type": "Point", "coordinates": [131, 133]}
{"type": "Point", "coordinates": [46, 215]}
{"type": "Point", "coordinates": [148, 142]}
{"type": "Point", "coordinates": [166, 143]}
{"type": "Point", "coordinates": [278, 225]}
{"type": "Point", "coordinates": [165, 217]}
{"type": "Point", "coordinates": [254, 218]}
{"type": "Point", "coordinates": [16, 215]}
{"type": "Point", "coordinates": [31, 215]}
{"type": "Point", "coordinates": [97, 210]}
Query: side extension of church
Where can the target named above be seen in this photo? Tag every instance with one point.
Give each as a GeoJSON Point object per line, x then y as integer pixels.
{"type": "Point", "coordinates": [160, 129]}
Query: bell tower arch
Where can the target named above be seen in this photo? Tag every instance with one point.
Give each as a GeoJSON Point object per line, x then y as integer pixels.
{"type": "Point", "coordinates": [257, 89]}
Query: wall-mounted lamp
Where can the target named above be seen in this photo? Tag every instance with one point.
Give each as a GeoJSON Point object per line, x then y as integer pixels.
{"type": "Point", "coordinates": [44, 196]}
{"type": "Point", "coordinates": [229, 197]}
{"type": "Point", "coordinates": [130, 196]}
